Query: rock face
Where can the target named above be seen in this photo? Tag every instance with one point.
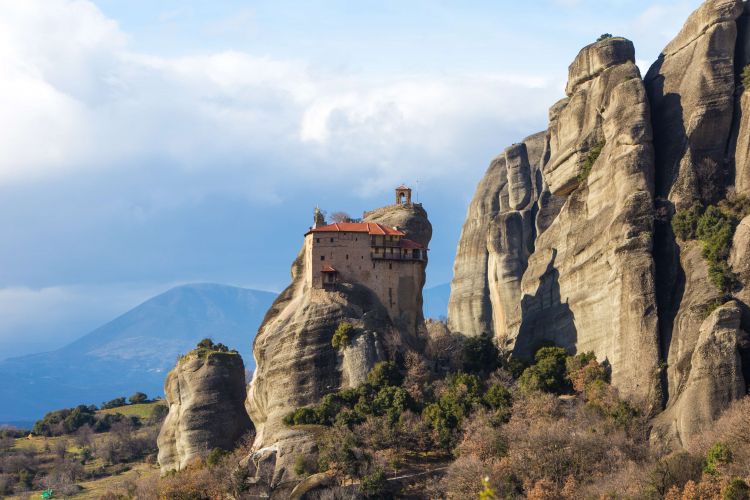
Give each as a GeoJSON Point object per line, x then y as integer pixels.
{"type": "Point", "coordinates": [496, 240]}
{"type": "Point", "coordinates": [589, 284]}
{"type": "Point", "coordinates": [714, 379]}
{"type": "Point", "coordinates": [296, 363]}
{"type": "Point", "coordinates": [206, 396]}
{"type": "Point", "coordinates": [699, 134]}
{"type": "Point", "coordinates": [561, 255]}
{"type": "Point", "coordinates": [589, 261]}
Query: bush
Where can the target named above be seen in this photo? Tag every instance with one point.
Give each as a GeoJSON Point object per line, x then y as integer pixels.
{"type": "Point", "coordinates": [374, 485]}
{"type": "Point", "coordinates": [746, 76]}
{"type": "Point", "coordinates": [548, 374]}
{"type": "Point", "coordinates": [301, 416]}
{"type": "Point", "coordinates": [604, 36]}
{"type": "Point", "coordinates": [714, 227]}
{"type": "Point", "coordinates": [304, 465]}
{"type": "Point", "coordinates": [341, 336]}
{"type": "Point", "coordinates": [685, 222]}
{"type": "Point", "coordinates": [588, 163]}
{"type": "Point", "coordinates": [717, 455]}
{"type": "Point", "coordinates": [215, 456]}
{"type": "Point", "coordinates": [114, 403]}
{"type": "Point", "coordinates": [737, 489]}
{"type": "Point", "coordinates": [137, 398]}
{"type": "Point", "coordinates": [480, 354]}
{"type": "Point", "coordinates": [384, 374]}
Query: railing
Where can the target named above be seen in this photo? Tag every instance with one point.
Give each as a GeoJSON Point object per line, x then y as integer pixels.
{"type": "Point", "coordinates": [380, 256]}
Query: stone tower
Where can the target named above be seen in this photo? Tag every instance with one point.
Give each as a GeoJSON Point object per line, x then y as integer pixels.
{"type": "Point", "coordinates": [318, 218]}
{"type": "Point", "coordinates": [403, 195]}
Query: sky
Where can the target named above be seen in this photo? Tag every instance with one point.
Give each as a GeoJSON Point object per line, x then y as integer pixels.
{"type": "Point", "coordinates": [148, 143]}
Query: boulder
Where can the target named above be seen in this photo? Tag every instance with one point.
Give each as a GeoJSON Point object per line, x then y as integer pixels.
{"type": "Point", "coordinates": [714, 381]}
{"type": "Point", "coordinates": [206, 397]}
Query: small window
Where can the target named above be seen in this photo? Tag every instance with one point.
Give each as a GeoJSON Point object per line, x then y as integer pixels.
{"type": "Point", "coordinates": [390, 266]}
{"type": "Point", "coordinates": [322, 257]}
{"type": "Point", "coordinates": [331, 240]}
{"type": "Point", "coordinates": [373, 265]}
{"type": "Point", "coordinates": [363, 257]}
{"type": "Point", "coordinates": [317, 240]}
{"type": "Point", "coordinates": [347, 256]}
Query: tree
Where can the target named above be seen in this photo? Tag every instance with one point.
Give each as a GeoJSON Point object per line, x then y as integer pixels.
{"type": "Point", "coordinates": [480, 354]}
{"type": "Point", "coordinates": [340, 217]}
{"type": "Point", "coordinates": [342, 335]}
{"type": "Point", "coordinates": [138, 397]}
{"type": "Point", "coordinates": [114, 403]}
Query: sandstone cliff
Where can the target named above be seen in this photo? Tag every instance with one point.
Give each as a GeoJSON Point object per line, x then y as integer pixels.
{"type": "Point", "coordinates": [206, 396]}
{"type": "Point", "coordinates": [598, 266]}
{"type": "Point", "coordinates": [496, 240]}
{"type": "Point", "coordinates": [296, 363]}
{"type": "Point", "coordinates": [699, 132]}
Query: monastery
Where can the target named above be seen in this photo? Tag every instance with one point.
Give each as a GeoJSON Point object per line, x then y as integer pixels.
{"type": "Point", "coordinates": [368, 253]}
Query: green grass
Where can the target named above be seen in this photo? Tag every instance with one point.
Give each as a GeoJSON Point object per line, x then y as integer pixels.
{"type": "Point", "coordinates": [142, 410]}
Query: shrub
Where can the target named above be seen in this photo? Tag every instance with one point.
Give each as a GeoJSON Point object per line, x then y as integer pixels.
{"type": "Point", "coordinates": [341, 336]}
{"type": "Point", "coordinates": [114, 403]}
{"type": "Point", "coordinates": [737, 489]}
{"type": "Point", "coordinates": [718, 454]}
{"type": "Point", "coordinates": [301, 416]}
{"type": "Point", "coordinates": [304, 465]}
{"type": "Point", "coordinates": [480, 354]}
{"type": "Point", "coordinates": [499, 399]}
{"type": "Point", "coordinates": [374, 485]}
{"type": "Point", "coordinates": [604, 36]}
{"type": "Point", "coordinates": [215, 456]}
{"type": "Point", "coordinates": [138, 397]}
{"type": "Point", "coordinates": [685, 222]}
{"type": "Point", "coordinates": [714, 227]}
{"type": "Point", "coordinates": [548, 374]}
{"type": "Point", "coordinates": [588, 163]}
{"type": "Point", "coordinates": [383, 374]}
{"type": "Point", "coordinates": [746, 76]}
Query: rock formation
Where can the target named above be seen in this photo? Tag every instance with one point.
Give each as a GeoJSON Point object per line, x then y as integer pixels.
{"type": "Point", "coordinates": [589, 261]}
{"type": "Point", "coordinates": [496, 240]}
{"type": "Point", "coordinates": [206, 396]}
{"type": "Point", "coordinates": [296, 363]}
{"type": "Point", "coordinates": [697, 128]}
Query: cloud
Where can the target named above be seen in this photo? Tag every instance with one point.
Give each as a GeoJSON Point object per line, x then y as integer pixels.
{"type": "Point", "coordinates": [74, 97]}
{"type": "Point", "coordinates": [30, 315]}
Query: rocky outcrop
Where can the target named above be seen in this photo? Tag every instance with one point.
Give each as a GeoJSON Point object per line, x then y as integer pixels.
{"type": "Point", "coordinates": [496, 240]}
{"type": "Point", "coordinates": [297, 365]}
{"type": "Point", "coordinates": [713, 381]}
{"type": "Point", "coordinates": [589, 285]}
{"type": "Point", "coordinates": [604, 271]}
{"type": "Point", "coordinates": [206, 397]}
{"type": "Point", "coordinates": [700, 132]}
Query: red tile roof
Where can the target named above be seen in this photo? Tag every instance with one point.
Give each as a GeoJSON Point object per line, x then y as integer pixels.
{"type": "Point", "coordinates": [409, 244]}
{"type": "Point", "coordinates": [358, 227]}
{"type": "Point", "coordinates": [328, 269]}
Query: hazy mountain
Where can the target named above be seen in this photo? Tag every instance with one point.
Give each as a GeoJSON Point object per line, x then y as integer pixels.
{"type": "Point", "coordinates": [132, 352]}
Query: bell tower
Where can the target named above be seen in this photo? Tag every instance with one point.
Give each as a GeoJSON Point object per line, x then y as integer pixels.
{"type": "Point", "coordinates": [318, 218]}
{"type": "Point", "coordinates": [403, 195]}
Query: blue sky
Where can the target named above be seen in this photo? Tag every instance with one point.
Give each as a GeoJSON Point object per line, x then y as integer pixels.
{"type": "Point", "coordinates": [151, 143]}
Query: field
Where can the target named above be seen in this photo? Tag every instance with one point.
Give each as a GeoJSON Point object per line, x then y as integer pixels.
{"type": "Point", "coordinates": [98, 476]}
{"type": "Point", "coordinates": [139, 410]}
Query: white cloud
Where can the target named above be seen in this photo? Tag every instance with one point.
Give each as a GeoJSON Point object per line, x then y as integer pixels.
{"type": "Point", "coordinates": [74, 96]}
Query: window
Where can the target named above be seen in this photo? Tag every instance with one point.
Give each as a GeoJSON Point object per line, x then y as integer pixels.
{"type": "Point", "coordinates": [331, 240]}
{"type": "Point", "coordinates": [317, 240]}
{"type": "Point", "coordinates": [347, 256]}
{"type": "Point", "coordinates": [390, 266]}
{"type": "Point", "coordinates": [322, 257]}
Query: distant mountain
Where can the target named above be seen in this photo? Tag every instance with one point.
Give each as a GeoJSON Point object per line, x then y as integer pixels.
{"type": "Point", "coordinates": [436, 301]}
{"type": "Point", "coordinates": [133, 352]}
